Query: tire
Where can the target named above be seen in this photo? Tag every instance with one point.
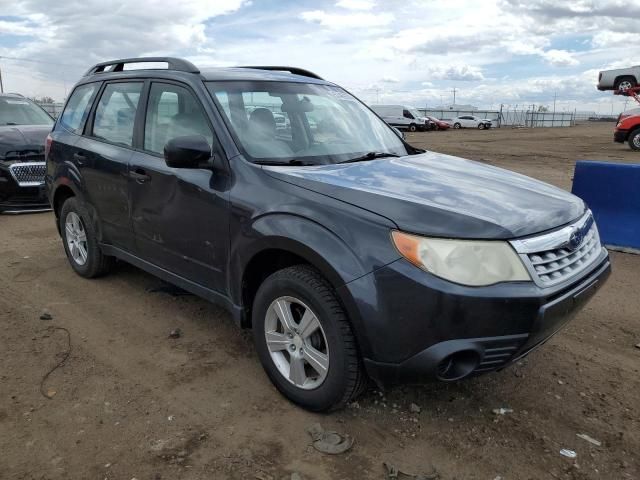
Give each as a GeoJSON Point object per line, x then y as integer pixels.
{"type": "Point", "coordinates": [93, 263]}
{"type": "Point", "coordinates": [634, 139]}
{"type": "Point", "coordinates": [625, 83]}
{"type": "Point", "coordinates": [298, 290]}
{"type": "Point", "coordinates": [481, 126]}
{"type": "Point", "coordinates": [457, 125]}
{"type": "Point", "coordinates": [413, 127]}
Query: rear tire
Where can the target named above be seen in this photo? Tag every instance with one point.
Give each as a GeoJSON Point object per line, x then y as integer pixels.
{"type": "Point", "coordinates": [80, 240]}
{"type": "Point", "coordinates": [634, 139]}
{"type": "Point", "coordinates": [292, 294]}
{"type": "Point", "coordinates": [625, 83]}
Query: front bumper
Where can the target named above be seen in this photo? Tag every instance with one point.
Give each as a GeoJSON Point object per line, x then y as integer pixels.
{"type": "Point", "coordinates": [423, 328]}
{"type": "Point", "coordinates": [620, 136]}
{"type": "Point", "coordinates": [15, 198]}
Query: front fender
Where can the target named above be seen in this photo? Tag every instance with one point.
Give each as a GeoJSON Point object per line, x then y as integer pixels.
{"type": "Point", "coordinates": [317, 245]}
{"type": "Point", "coordinates": [301, 236]}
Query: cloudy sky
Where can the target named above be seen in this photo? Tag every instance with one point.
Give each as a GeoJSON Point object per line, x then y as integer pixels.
{"type": "Point", "coordinates": [515, 52]}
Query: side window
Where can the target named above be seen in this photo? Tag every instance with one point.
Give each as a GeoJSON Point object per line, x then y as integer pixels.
{"type": "Point", "coordinates": [407, 114]}
{"type": "Point", "coordinates": [173, 111]}
{"type": "Point", "coordinates": [77, 108]}
{"type": "Point", "coordinates": [116, 112]}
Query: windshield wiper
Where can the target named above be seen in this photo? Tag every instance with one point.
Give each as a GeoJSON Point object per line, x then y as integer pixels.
{"type": "Point", "coordinates": [370, 156]}
{"type": "Point", "coordinates": [293, 162]}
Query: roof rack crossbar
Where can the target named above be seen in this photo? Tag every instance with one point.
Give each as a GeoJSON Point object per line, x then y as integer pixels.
{"type": "Point", "coordinates": [294, 70]}
{"type": "Point", "coordinates": [118, 65]}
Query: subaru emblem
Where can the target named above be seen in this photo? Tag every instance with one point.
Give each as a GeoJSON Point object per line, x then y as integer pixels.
{"type": "Point", "coordinates": [575, 239]}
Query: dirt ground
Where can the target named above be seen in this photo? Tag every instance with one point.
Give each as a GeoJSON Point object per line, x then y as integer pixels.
{"type": "Point", "coordinates": [132, 403]}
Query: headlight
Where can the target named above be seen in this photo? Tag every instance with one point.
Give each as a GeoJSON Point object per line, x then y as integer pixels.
{"type": "Point", "coordinates": [468, 262]}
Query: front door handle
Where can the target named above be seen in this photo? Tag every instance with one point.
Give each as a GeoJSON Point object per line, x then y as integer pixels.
{"type": "Point", "coordinates": [139, 175]}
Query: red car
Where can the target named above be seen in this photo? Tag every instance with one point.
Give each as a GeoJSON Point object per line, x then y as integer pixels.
{"type": "Point", "coordinates": [440, 125]}
{"type": "Point", "coordinates": [628, 128]}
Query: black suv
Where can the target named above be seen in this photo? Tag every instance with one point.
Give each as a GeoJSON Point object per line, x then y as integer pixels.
{"type": "Point", "coordinates": [351, 254]}
{"type": "Point", "coordinates": [24, 126]}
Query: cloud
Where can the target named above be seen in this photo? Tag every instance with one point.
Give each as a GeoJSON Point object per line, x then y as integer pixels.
{"type": "Point", "coordinates": [347, 20]}
{"type": "Point", "coordinates": [506, 51]}
{"type": "Point", "coordinates": [356, 4]}
{"type": "Point", "coordinates": [462, 73]}
{"type": "Point", "coordinates": [560, 58]}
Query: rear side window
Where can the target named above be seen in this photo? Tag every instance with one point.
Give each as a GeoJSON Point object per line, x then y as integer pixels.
{"type": "Point", "coordinates": [77, 108]}
{"type": "Point", "coordinates": [116, 113]}
{"type": "Point", "coordinates": [173, 112]}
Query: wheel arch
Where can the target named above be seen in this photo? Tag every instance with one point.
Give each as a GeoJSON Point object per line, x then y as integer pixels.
{"type": "Point", "coordinates": [619, 78]}
{"type": "Point", "coordinates": [305, 242]}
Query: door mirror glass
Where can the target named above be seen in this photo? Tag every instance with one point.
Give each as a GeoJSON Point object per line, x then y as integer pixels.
{"type": "Point", "coordinates": [189, 151]}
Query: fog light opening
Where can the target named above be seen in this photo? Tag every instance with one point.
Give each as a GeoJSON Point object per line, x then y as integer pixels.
{"type": "Point", "coordinates": [458, 365]}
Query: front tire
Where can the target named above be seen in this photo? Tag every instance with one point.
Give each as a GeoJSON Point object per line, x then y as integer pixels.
{"type": "Point", "coordinates": [634, 139]}
{"type": "Point", "coordinates": [80, 240]}
{"type": "Point", "coordinates": [413, 127]}
{"type": "Point", "coordinates": [457, 125]}
{"type": "Point", "coordinates": [481, 126]}
{"type": "Point", "coordinates": [304, 340]}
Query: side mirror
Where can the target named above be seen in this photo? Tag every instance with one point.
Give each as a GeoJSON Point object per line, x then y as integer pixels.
{"type": "Point", "coordinates": [187, 152]}
{"type": "Point", "coordinates": [398, 132]}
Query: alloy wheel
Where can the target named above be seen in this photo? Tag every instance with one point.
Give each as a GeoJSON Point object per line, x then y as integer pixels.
{"type": "Point", "coordinates": [624, 85]}
{"type": "Point", "coordinates": [297, 343]}
{"type": "Point", "coordinates": [76, 237]}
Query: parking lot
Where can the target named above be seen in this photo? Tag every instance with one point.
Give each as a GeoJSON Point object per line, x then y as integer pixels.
{"type": "Point", "coordinates": [130, 402]}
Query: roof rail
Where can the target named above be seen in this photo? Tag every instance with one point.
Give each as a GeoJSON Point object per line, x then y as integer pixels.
{"type": "Point", "coordinates": [294, 70]}
{"type": "Point", "coordinates": [118, 65]}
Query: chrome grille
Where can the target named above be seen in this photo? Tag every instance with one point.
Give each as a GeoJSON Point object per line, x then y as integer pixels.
{"type": "Point", "coordinates": [559, 256]}
{"type": "Point", "coordinates": [28, 174]}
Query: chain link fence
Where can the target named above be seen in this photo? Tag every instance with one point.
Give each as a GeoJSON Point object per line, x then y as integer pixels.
{"type": "Point", "coordinates": [509, 118]}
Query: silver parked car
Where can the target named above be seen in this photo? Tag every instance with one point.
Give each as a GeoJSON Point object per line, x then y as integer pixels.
{"type": "Point", "coordinates": [619, 79]}
{"type": "Point", "coordinates": [471, 121]}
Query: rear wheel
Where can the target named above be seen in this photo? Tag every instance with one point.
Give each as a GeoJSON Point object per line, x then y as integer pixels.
{"type": "Point", "coordinates": [80, 240]}
{"type": "Point", "coordinates": [304, 340]}
{"type": "Point", "coordinates": [634, 139]}
{"type": "Point", "coordinates": [625, 83]}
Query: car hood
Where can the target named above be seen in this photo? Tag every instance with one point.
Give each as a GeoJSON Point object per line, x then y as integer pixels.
{"type": "Point", "coordinates": [441, 195]}
{"type": "Point", "coordinates": [22, 142]}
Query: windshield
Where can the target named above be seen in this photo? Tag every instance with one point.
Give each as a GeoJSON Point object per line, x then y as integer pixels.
{"type": "Point", "coordinates": [308, 123]}
{"type": "Point", "coordinates": [20, 111]}
{"type": "Point", "coordinates": [415, 113]}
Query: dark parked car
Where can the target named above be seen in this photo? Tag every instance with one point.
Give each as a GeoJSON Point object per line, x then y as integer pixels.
{"type": "Point", "coordinates": [351, 254]}
{"type": "Point", "coordinates": [24, 126]}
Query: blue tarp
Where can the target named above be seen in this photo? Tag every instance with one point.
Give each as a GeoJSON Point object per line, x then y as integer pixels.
{"type": "Point", "coordinates": [612, 192]}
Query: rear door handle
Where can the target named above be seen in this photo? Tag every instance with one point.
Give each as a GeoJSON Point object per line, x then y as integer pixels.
{"type": "Point", "coordinates": [80, 158]}
{"type": "Point", "coordinates": [139, 175]}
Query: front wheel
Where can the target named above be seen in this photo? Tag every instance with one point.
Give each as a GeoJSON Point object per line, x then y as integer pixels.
{"type": "Point", "coordinates": [413, 127]}
{"type": "Point", "coordinates": [456, 125]}
{"type": "Point", "coordinates": [481, 126]}
{"type": "Point", "coordinates": [634, 139]}
{"type": "Point", "coordinates": [80, 240]}
{"type": "Point", "coordinates": [304, 340]}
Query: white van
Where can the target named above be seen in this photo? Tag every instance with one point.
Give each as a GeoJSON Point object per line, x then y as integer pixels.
{"type": "Point", "coordinates": [401, 116]}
